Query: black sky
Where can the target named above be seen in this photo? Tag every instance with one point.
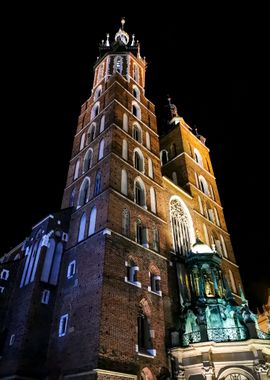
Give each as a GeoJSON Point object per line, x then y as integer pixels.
{"type": "Point", "coordinates": [210, 58]}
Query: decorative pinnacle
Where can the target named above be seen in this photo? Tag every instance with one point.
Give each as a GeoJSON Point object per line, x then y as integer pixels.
{"type": "Point", "coordinates": [123, 21]}
{"type": "Point", "coordinates": [107, 40]}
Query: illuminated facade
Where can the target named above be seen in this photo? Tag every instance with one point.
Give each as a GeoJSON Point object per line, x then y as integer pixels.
{"type": "Point", "coordinates": [135, 278]}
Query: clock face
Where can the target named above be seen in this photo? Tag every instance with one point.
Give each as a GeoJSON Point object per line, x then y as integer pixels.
{"type": "Point", "coordinates": [122, 36]}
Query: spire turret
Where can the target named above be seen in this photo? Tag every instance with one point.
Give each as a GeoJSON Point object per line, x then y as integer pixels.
{"type": "Point", "coordinates": [121, 42]}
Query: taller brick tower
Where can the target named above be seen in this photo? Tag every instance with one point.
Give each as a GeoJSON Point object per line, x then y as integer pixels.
{"type": "Point", "coordinates": [111, 292]}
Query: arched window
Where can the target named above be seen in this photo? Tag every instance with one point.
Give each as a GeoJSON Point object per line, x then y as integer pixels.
{"type": "Point", "coordinates": [145, 344]}
{"type": "Point", "coordinates": [132, 271]}
{"type": "Point", "coordinates": [153, 200]}
{"type": "Point", "coordinates": [164, 157]}
{"type": "Point", "coordinates": [232, 281]}
{"type": "Point", "coordinates": [77, 170]}
{"type": "Point", "coordinates": [100, 72]}
{"type": "Point", "coordinates": [200, 205]}
{"type": "Point", "coordinates": [198, 157]}
{"type": "Point", "coordinates": [46, 270]}
{"type": "Point", "coordinates": [154, 277]}
{"type": "Point", "coordinates": [172, 150]}
{"type": "Point", "coordinates": [203, 185]}
{"type": "Point", "coordinates": [174, 178]}
{"type": "Point", "coordinates": [182, 226]}
{"type": "Point", "coordinates": [210, 213]}
{"type": "Point", "coordinates": [125, 222]}
{"type": "Point", "coordinates": [137, 132]}
{"type": "Point", "coordinates": [138, 160]}
{"type": "Point", "coordinates": [141, 234]}
{"type": "Point", "coordinates": [136, 92]}
{"type": "Point", "coordinates": [87, 162]}
{"type": "Point", "coordinates": [102, 124]}
{"type": "Point", "coordinates": [155, 238]}
{"type": "Point", "coordinates": [36, 259]}
{"type": "Point", "coordinates": [217, 243]}
{"type": "Point", "coordinates": [147, 140]}
{"type": "Point", "coordinates": [150, 168]}
{"type": "Point", "coordinates": [82, 226]}
{"type": "Point", "coordinates": [84, 192]}
{"type": "Point", "coordinates": [82, 141]}
{"type": "Point", "coordinates": [136, 109]}
{"type": "Point", "coordinates": [91, 134]}
{"type": "Point", "coordinates": [95, 110]}
{"type": "Point", "coordinates": [56, 264]}
{"type": "Point", "coordinates": [206, 237]}
{"type": "Point", "coordinates": [31, 256]}
{"type": "Point", "coordinates": [72, 198]}
{"type": "Point", "coordinates": [216, 217]}
{"type": "Point", "coordinates": [97, 188]}
{"type": "Point", "coordinates": [101, 149]}
{"type": "Point", "coordinates": [136, 72]}
{"type": "Point", "coordinates": [92, 221]}
{"type": "Point", "coordinates": [118, 64]}
{"type": "Point", "coordinates": [124, 182]}
{"type": "Point", "coordinates": [139, 192]}
{"type": "Point", "coordinates": [98, 92]}
{"type": "Point", "coordinates": [27, 255]}
{"type": "Point", "coordinates": [125, 149]}
{"type": "Point", "coordinates": [125, 122]}
{"type": "Point", "coordinates": [224, 248]}
{"type": "Point", "coordinates": [212, 194]}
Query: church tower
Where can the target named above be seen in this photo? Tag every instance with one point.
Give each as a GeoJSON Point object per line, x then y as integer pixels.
{"type": "Point", "coordinates": [109, 307]}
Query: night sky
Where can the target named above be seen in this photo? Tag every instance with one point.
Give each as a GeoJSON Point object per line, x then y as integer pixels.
{"type": "Point", "coordinates": [208, 57]}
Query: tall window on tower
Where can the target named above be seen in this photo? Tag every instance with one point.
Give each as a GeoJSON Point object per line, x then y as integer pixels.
{"type": "Point", "coordinates": [118, 64]}
{"type": "Point", "coordinates": [136, 109]}
{"type": "Point", "coordinates": [141, 234]}
{"type": "Point", "coordinates": [138, 160]}
{"type": "Point", "coordinates": [84, 192]}
{"type": "Point", "coordinates": [97, 188]}
{"type": "Point", "coordinates": [183, 233]}
{"type": "Point", "coordinates": [145, 344]}
{"type": "Point", "coordinates": [139, 192]}
{"type": "Point", "coordinates": [137, 133]}
{"type": "Point", "coordinates": [136, 73]}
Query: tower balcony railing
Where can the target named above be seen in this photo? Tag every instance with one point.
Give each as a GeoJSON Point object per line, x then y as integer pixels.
{"type": "Point", "coordinates": [217, 335]}
{"type": "Point", "coordinates": [227, 334]}
{"type": "Point", "coordinates": [193, 337]}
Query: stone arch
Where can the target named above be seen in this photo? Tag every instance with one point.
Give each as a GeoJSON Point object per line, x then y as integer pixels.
{"type": "Point", "coordinates": [145, 304]}
{"type": "Point", "coordinates": [146, 374]}
{"type": "Point", "coordinates": [243, 374]}
{"type": "Point", "coordinates": [154, 269]}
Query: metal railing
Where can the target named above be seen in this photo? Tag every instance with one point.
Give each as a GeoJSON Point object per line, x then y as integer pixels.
{"type": "Point", "coordinates": [217, 335]}
{"type": "Point", "coordinates": [227, 334]}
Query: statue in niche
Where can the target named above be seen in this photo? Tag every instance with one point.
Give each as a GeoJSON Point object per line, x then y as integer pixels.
{"type": "Point", "coordinates": [213, 317]}
{"type": "Point", "coordinates": [191, 322]}
{"type": "Point", "coordinates": [201, 320]}
{"type": "Point", "coordinates": [208, 286]}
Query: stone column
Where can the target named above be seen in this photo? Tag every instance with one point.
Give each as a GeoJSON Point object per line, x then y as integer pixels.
{"type": "Point", "coordinates": [263, 370]}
